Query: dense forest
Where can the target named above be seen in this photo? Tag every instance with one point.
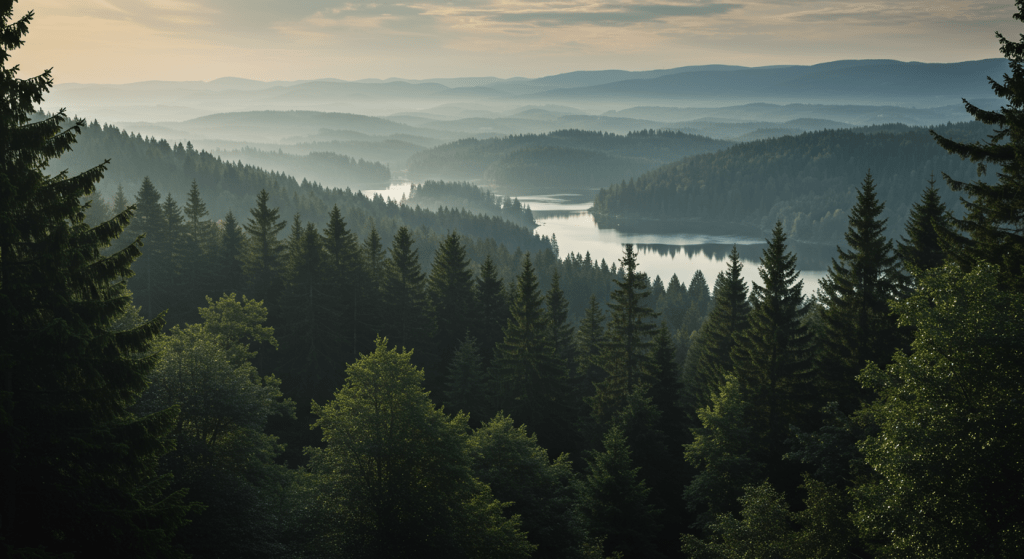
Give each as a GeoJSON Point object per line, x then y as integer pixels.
{"type": "Point", "coordinates": [807, 182]}
{"type": "Point", "coordinates": [324, 167]}
{"type": "Point", "coordinates": [177, 385]}
{"type": "Point", "coordinates": [562, 161]}
{"type": "Point", "coordinates": [438, 194]}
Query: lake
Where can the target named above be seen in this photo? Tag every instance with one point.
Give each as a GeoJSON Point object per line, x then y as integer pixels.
{"type": "Point", "coordinates": [564, 217]}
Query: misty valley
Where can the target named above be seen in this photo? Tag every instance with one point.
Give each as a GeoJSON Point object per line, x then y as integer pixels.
{"type": "Point", "coordinates": [712, 311]}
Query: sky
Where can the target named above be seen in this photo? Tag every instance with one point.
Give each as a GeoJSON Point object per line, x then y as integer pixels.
{"type": "Point", "coordinates": [124, 41]}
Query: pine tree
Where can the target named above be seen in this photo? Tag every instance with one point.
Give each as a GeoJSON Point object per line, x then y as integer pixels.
{"type": "Point", "coordinates": [78, 468]}
{"type": "Point", "coordinates": [994, 222]}
{"type": "Point", "coordinates": [468, 388]}
{"type": "Point", "coordinates": [263, 257]}
{"type": "Point", "coordinates": [627, 352]}
{"type": "Point", "coordinates": [197, 245]}
{"type": "Point", "coordinates": [728, 319]}
{"type": "Point", "coordinates": [560, 331]}
{"type": "Point", "coordinates": [772, 359]}
{"type": "Point", "coordinates": [171, 258]}
{"type": "Point", "coordinates": [230, 251]}
{"type": "Point", "coordinates": [927, 229]}
{"type": "Point", "coordinates": [404, 294]}
{"type": "Point", "coordinates": [347, 295]}
{"type": "Point", "coordinates": [528, 381]}
{"type": "Point", "coordinates": [452, 304]}
{"type": "Point", "coordinates": [149, 221]}
{"type": "Point", "coordinates": [616, 501]}
{"type": "Point", "coordinates": [858, 326]}
{"type": "Point", "coordinates": [492, 307]}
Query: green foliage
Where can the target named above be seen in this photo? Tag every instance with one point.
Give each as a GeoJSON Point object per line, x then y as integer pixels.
{"type": "Point", "coordinates": [627, 351]}
{"type": "Point", "coordinates": [394, 475]}
{"type": "Point", "coordinates": [994, 222]}
{"type": "Point", "coordinates": [222, 453]}
{"type": "Point", "coordinates": [469, 386]}
{"type": "Point", "coordinates": [406, 302]}
{"type": "Point", "coordinates": [435, 194]}
{"type": "Point", "coordinates": [949, 453]}
{"type": "Point", "coordinates": [808, 182]}
{"type": "Point", "coordinates": [519, 471]}
{"type": "Point", "coordinates": [263, 259]}
{"type": "Point", "coordinates": [615, 500]}
{"type": "Point", "coordinates": [767, 529]}
{"type": "Point", "coordinates": [928, 228]}
{"type": "Point", "coordinates": [857, 324]}
{"type": "Point", "coordinates": [78, 469]}
{"type": "Point", "coordinates": [452, 303]}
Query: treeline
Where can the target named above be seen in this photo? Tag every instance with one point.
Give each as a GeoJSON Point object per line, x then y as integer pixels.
{"type": "Point", "coordinates": [808, 182]}
{"type": "Point", "coordinates": [438, 194]}
{"type": "Point", "coordinates": [231, 188]}
{"type": "Point", "coordinates": [557, 154]}
{"type": "Point", "coordinates": [337, 170]}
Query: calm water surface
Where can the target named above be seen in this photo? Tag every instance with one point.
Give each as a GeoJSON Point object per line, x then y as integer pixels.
{"type": "Point", "coordinates": [565, 218]}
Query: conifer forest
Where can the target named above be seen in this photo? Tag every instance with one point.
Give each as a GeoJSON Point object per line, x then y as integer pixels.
{"type": "Point", "coordinates": [214, 351]}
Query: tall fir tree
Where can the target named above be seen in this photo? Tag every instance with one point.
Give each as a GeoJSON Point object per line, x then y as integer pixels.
{"type": "Point", "coordinates": [452, 305]}
{"type": "Point", "coordinates": [928, 230]}
{"type": "Point", "coordinates": [78, 467]}
{"type": "Point", "coordinates": [727, 320]}
{"type": "Point", "coordinates": [772, 359]}
{"type": "Point", "coordinates": [230, 251]}
{"type": "Point", "coordinates": [405, 294]}
{"type": "Point", "coordinates": [528, 380]}
{"type": "Point", "coordinates": [263, 259]}
{"type": "Point", "coordinates": [857, 324]}
{"type": "Point", "coordinates": [349, 295]}
{"type": "Point", "coordinates": [149, 221]}
{"type": "Point", "coordinates": [560, 331]}
{"type": "Point", "coordinates": [627, 351]}
{"type": "Point", "coordinates": [197, 246]}
{"type": "Point", "coordinates": [493, 308]}
{"type": "Point", "coordinates": [994, 222]}
{"type": "Point", "coordinates": [171, 260]}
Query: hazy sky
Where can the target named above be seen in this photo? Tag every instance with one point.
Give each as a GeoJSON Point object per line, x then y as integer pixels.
{"type": "Point", "coordinates": [119, 41]}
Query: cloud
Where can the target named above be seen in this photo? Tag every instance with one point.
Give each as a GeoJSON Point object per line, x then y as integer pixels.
{"type": "Point", "coordinates": [604, 14]}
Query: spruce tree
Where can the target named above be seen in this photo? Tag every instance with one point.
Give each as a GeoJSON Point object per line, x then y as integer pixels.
{"type": "Point", "coordinates": [994, 222]}
{"type": "Point", "coordinates": [347, 295]}
{"type": "Point", "coordinates": [148, 221]}
{"type": "Point", "coordinates": [404, 294]}
{"type": "Point", "coordinates": [197, 245]}
{"type": "Point", "coordinates": [560, 331]}
{"type": "Point", "coordinates": [528, 380]}
{"type": "Point", "coordinates": [468, 385]}
{"type": "Point", "coordinates": [727, 320]}
{"type": "Point", "coordinates": [452, 305]}
{"type": "Point", "coordinates": [772, 359]}
{"type": "Point", "coordinates": [928, 229]}
{"type": "Point", "coordinates": [627, 351]}
{"type": "Point", "coordinates": [858, 326]}
{"type": "Point", "coordinates": [171, 259]}
{"type": "Point", "coordinates": [230, 251]}
{"type": "Point", "coordinates": [492, 307]}
{"type": "Point", "coordinates": [263, 258]}
{"type": "Point", "coordinates": [78, 467]}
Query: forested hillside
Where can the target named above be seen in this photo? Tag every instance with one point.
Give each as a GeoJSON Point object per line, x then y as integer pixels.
{"type": "Point", "coordinates": [563, 161]}
{"type": "Point", "coordinates": [324, 167]}
{"type": "Point", "coordinates": [808, 182]}
{"type": "Point", "coordinates": [439, 194]}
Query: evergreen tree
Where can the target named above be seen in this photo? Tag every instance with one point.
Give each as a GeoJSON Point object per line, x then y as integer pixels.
{"type": "Point", "coordinates": [529, 382]}
{"type": "Point", "coordinates": [727, 320]}
{"type": "Point", "coordinates": [346, 297]}
{"type": "Point", "coordinates": [616, 501]}
{"type": "Point", "coordinates": [858, 326]}
{"type": "Point", "coordinates": [149, 221]}
{"type": "Point", "coordinates": [699, 297]}
{"type": "Point", "coordinates": [375, 260]}
{"type": "Point", "coordinates": [927, 230]}
{"type": "Point", "coordinates": [994, 222]}
{"type": "Point", "coordinates": [560, 331]}
{"type": "Point", "coordinates": [452, 304]}
{"type": "Point", "coordinates": [197, 246]}
{"type": "Point", "coordinates": [263, 257]}
{"type": "Point", "coordinates": [120, 202]}
{"type": "Point", "coordinates": [78, 468]}
{"type": "Point", "coordinates": [772, 359]}
{"type": "Point", "coordinates": [404, 293]}
{"type": "Point", "coordinates": [230, 251]}
{"type": "Point", "coordinates": [492, 308]}
{"type": "Point", "coordinates": [171, 259]}
{"type": "Point", "coordinates": [627, 352]}
{"type": "Point", "coordinates": [468, 388]}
